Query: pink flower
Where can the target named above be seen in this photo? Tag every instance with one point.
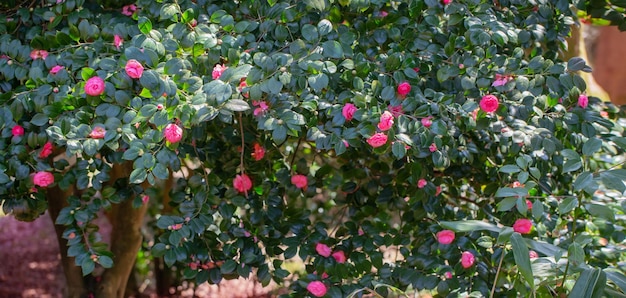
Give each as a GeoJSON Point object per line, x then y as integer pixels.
{"type": "Point", "coordinates": [501, 80]}
{"type": "Point", "coordinates": [467, 259]}
{"type": "Point", "coordinates": [323, 249]}
{"type": "Point", "coordinates": [395, 110]}
{"type": "Point", "coordinates": [427, 122]}
{"type": "Point", "coordinates": [523, 226]}
{"type": "Point", "coordinates": [446, 2]}
{"type": "Point", "coordinates": [134, 69]}
{"type": "Point", "coordinates": [56, 69]}
{"type": "Point", "coordinates": [173, 133]}
{"type": "Point", "coordinates": [317, 288]}
{"type": "Point", "coordinates": [516, 184]}
{"type": "Point", "coordinates": [377, 140]}
{"type": "Point", "coordinates": [145, 199]}
{"type": "Point", "coordinates": [448, 275]}
{"type": "Point", "coordinates": [404, 88]}
{"type": "Point", "coordinates": [38, 54]}
{"type": "Point", "coordinates": [339, 256]}
{"type": "Point", "coordinates": [383, 13]}
{"type": "Point", "coordinates": [533, 254]}
{"type": "Point", "coordinates": [259, 152]}
{"type": "Point", "coordinates": [43, 179]}
{"type": "Point", "coordinates": [529, 204]}
{"type": "Point", "coordinates": [46, 150]}
{"type": "Point", "coordinates": [386, 121]}
{"type": "Point", "coordinates": [262, 107]}
{"type": "Point", "coordinates": [300, 181]}
{"type": "Point", "coordinates": [98, 132]}
{"type": "Point", "coordinates": [242, 183]}
{"type": "Point", "coordinates": [445, 236]}
{"type": "Point", "coordinates": [128, 10]}
{"type": "Point", "coordinates": [94, 86]}
{"type": "Point", "coordinates": [242, 85]}
{"type": "Point", "coordinates": [438, 190]}
{"type": "Point", "coordinates": [17, 130]}
{"type": "Point", "coordinates": [421, 183]}
{"type": "Point", "coordinates": [583, 101]}
{"type": "Point", "coordinates": [432, 147]}
{"type": "Point", "coordinates": [489, 103]}
{"type": "Point", "coordinates": [217, 71]}
{"type": "Point", "coordinates": [117, 41]}
{"type": "Point", "coordinates": [348, 111]}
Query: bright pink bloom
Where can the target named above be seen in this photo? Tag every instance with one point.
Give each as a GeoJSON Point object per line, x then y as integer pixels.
{"type": "Point", "coordinates": [323, 249]}
{"type": "Point", "coordinates": [43, 179]}
{"type": "Point", "coordinates": [432, 147]}
{"type": "Point", "coordinates": [516, 184]}
{"type": "Point", "coordinates": [262, 107]}
{"type": "Point", "coordinates": [446, 2]}
{"type": "Point", "coordinates": [339, 256]}
{"type": "Point", "coordinates": [523, 226]}
{"type": "Point", "coordinates": [317, 288]}
{"type": "Point", "coordinates": [427, 122]}
{"type": "Point", "coordinates": [348, 111]}
{"type": "Point", "coordinates": [46, 150]}
{"type": "Point", "coordinates": [38, 54]}
{"type": "Point", "coordinates": [421, 183]}
{"type": "Point", "coordinates": [117, 41]}
{"type": "Point", "coordinates": [145, 199]}
{"type": "Point", "coordinates": [98, 132]}
{"type": "Point", "coordinates": [445, 236]}
{"type": "Point", "coordinates": [217, 71]}
{"type": "Point", "coordinates": [94, 86]}
{"type": "Point", "coordinates": [134, 69]}
{"type": "Point", "coordinates": [583, 101]}
{"type": "Point", "coordinates": [395, 110]}
{"type": "Point", "coordinates": [489, 103]}
{"type": "Point", "coordinates": [529, 204]}
{"type": "Point", "coordinates": [386, 121]}
{"type": "Point", "coordinates": [467, 259]}
{"type": "Point", "coordinates": [56, 69]}
{"type": "Point", "coordinates": [173, 133]}
{"type": "Point", "coordinates": [17, 130]}
{"type": "Point", "coordinates": [404, 88]}
{"type": "Point", "coordinates": [533, 254]}
{"type": "Point", "coordinates": [383, 13]}
{"type": "Point", "coordinates": [128, 10]}
{"type": "Point", "coordinates": [242, 183]}
{"type": "Point", "coordinates": [243, 84]}
{"type": "Point", "coordinates": [259, 152]}
{"type": "Point", "coordinates": [448, 275]}
{"type": "Point", "coordinates": [300, 181]}
{"type": "Point", "coordinates": [438, 190]}
{"type": "Point", "coordinates": [377, 140]}
{"type": "Point", "coordinates": [501, 80]}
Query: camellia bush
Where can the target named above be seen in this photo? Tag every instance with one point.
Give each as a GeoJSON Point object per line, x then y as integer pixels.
{"type": "Point", "coordinates": [441, 147]}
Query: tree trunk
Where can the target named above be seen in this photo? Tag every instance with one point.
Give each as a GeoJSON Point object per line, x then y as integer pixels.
{"type": "Point", "coordinates": [75, 284]}
{"type": "Point", "coordinates": [609, 62]}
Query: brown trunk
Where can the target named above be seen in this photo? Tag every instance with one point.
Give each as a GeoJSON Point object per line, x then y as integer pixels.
{"type": "Point", "coordinates": [609, 64]}
{"type": "Point", "coordinates": [75, 285]}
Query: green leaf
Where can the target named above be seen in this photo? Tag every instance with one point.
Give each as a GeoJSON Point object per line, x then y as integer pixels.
{"type": "Point", "coordinates": [576, 64]}
{"type": "Point", "coordinates": [105, 261]}
{"type": "Point", "coordinates": [583, 181]}
{"type": "Point", "coordinates": [87, 266]}
{"type": "Point", "coordinates": [161, 171]}
{"type": "Point", "coordinates": [511, 192]}
{"type": "Point", "coordinates": [522, 258]}
{"type": "Point", "coordinates": [567, 205]}
{"type": "Point", "coordinates": [332, 49]}
{"type": "Point", "coordinates": [228, 267]}
{"type": "Point", "coordinates": [601, 211]}
{"type": "Point", "coordinates": [510, 169]}
{"type": "Point", "coordinates": [237, 105]}
{"type": "Point", "coordinates": [138, 176]}
{"type": "Point", "coordinates": [145, 25]}
{"type": "Point", "coordinates": [576, 254]}
{"type": "Point", "coordinates": [590, 284]}
{"type": "Point", "coordinates": [469, 225]}
{"type": "Point", "coordinates": [592, 146]}
{"type": "Point", "coordinates": [318, 82]}
{"type": "Point", "coordinates": [317, 4]}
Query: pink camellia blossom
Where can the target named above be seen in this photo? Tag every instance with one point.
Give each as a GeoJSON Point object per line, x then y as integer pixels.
{"type": "Point", "coordinates": [438, 190]}
{"type": "Point", "coordinates": [323, 249]}
{"type": "Point", "coordinates": [446, 2]}
{"type": "Point", "coordinates": [529, 204]}
{"type": "Point", "coordinates": [404, 88]}
{"type": "Point", "coordinates": [501, 80]}
{"type": "Point", "coordinates": [259, 152]}
{"type": "Point", "coordinates": [533, 254]}
{"type": "Point", "coordinates": [242, 183]}
{"type": "Point", "coordinates": [467, 259]}
{"type": "Point", "coordinates": [243, 84]}
{"type": "Point", "coordinates": [317, 288]}
{"type": "Point", "coordinates": [339, 256]}
{"type": "Point", "coordinates": [134, 69]}
{"type": "Point", "coordinates": [395, 110]}
{"type": "Point", "coordinates": [516, 184]}
{"type": "Point", "coordinates": [55, 69]}
{"type": "Point", "coordinates": [117, 41]}
{"type": "Point", "coordinates": [383, 13]}
{"type": "Point", "coordinates": [262, 107]}
{"type": "Point", "coordinates": [43, 179]}
{"type": "Point", "coordinates": [448, 275]}
{"type": "Point", "coordinates": [38, 54]}
{"type": "Point", "coordinates": [300, 181]}
{"type": "Point", "coordinates": [128, 10]}
{"type": "Point", "coordinates": [377, 140]}
{"type": "Point", "coordinates": [523, 226]}
{"type": "Point", "coordinates": [17, 130]}
{"type": "Point", "coordinates": [218, 70]}
{"type": "Point", "coordinates": [583, 101]}
{"type": "Point", "coordinates": [489, 103]}
{"type": "Point", "coordinates": [445, 237]}
{"type": "Point", "coordinates": [348, 111]}
{"type": "Point", "coordinates": [98, 132]}
{"type": "Point", "coordinates": [46, 150]}
{"type": "Point", "coordinates": [386, 121]}
{"type": "Point", "coordinates": [432, 147]}
{"type": "Point", "coordinates": [94, 86]}
{"type": "Point", "coordinates": [145, 199]}
{"type": "Point", "coordinates": [173, 133]}
{"type": "Point", "coordinates": [427, 122]}
{"type": "Point", "coordinates": [421, 183]}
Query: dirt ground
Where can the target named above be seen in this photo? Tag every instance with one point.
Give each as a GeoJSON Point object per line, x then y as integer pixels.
{"type": "Point", "coordinates": [30, 266]}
